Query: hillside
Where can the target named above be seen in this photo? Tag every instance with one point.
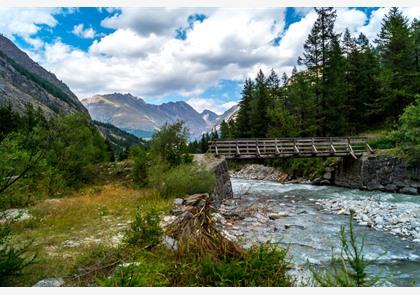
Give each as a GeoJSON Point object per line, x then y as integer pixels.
{"type": "Point", "coordinates": [23, 81]}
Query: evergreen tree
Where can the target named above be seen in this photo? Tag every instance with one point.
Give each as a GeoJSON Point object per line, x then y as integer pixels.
{"type": "Point", "coordinates": [243, 121]}
{"type": "Point", "coordinates": [259, 116]}
{"type": "Point", "coordinates": [415, 30]}
{"type": "Point", "coordinates": [398, 68]}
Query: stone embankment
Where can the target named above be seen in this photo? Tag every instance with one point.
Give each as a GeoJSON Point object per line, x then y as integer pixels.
{"type": "Point", "coordinates": [401, 219]}
{"type": "Point", "coordinates": [373, 172]}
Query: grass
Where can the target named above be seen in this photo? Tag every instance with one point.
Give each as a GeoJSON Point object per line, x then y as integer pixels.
{"type": "Point", "coordinates": [63, 230]}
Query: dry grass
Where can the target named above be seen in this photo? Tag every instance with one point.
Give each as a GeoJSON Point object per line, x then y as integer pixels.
{"type": "Point", "coordinates": [63, 229]}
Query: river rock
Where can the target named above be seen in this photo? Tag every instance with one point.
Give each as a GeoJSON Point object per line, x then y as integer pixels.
{"type": "Point", "coordinates": [287, 226]}
{"type": "Point", "coordinates": [325, 182]}
{"type": "Point", "coordinates": [50, 282]}
{"type": "Point", "coordinates": [178, 201]}
{"type": "Point", "coordinates": [274, 216]}
{"type": "Point", "coordinates": [408, 190]}
{"type": "Point", "coordinates": [170, 243]}
{"type": "Point", "coordinates": [390, 187]}
{"type": "Point", "coordinates": [416, 240]}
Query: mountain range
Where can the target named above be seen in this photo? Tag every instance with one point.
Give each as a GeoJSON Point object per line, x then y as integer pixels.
{"type": "Point", "coordinates": [23, 81]}
{"type": "Point", "coordinates": [134, 115]}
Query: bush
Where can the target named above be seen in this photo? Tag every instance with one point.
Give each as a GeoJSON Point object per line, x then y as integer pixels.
{"type": "Point", "coordinates": [12, 259]}
{"type": "Point", "coordinates": [170, 145]}
{"type": "Point", "coordinates": [262, 266]}
{"type": "Point", "coordinates": [145, 230]}
{"type": "Point", "coordinates": [408, 134]}
{"type": "Point", "coordinates": [187, 180]}
{"type": "Point", "coordinates": [135, 275]}
{"type": "Point", "coordinates": [141, 165]}
{"type": "Point", "coordinates": [349, 269]}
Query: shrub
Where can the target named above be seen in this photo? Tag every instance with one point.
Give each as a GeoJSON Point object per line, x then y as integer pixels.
{"type": "Point", "coordinates": [12, 259]}
{"type": "Point", "coordinates": [141, 165]}
{"type": "Point", "coordinates": [349, 269]}
{"type": "Point", "coordinates": [187, 180]}
{"type": "Point", "coordinates": [262, 266]}
{"type": "Point", "coordinates": [135, 275]}
{"type": "Point", "coordinates": [145, 230]}
{"type": "Point", "coordinates": [170, 144]}
{"type": "Point", "coordinates": [408, 134]}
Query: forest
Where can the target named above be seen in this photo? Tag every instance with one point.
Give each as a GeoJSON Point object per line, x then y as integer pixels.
{"type": "Point", "coordinates": [348, 85]}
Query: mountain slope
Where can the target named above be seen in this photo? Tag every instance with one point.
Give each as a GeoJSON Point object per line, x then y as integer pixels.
{"type": "Point", "coordinates": [23, 81]}
{"type": "Point", "coordinates": [134, 115]}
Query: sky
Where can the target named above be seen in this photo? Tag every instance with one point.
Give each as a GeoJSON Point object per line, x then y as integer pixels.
{"type": "Point", "coordinates": [198, 55]}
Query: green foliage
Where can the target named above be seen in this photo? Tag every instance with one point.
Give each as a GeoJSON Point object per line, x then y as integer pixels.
{"type": "Point", "coordinates": [308, 168]}
{"type": "Point", "coordinates": [141, 164]}
{"type": "Point", "coordinates": [408, 133]}
{"type": "Point", "coordinates": [169, 144]}
{"type": "Point", "coordinates": [135, 275]}
{"type": "Point", "coordinates": [13, 259]}
{"type": "Point", "coordinates": [349, 269]}
{"type": "Point", "coordinates": [76, 147]}
{"type": "Point", "coordinates": [185, 180]}
{"type": "Point", "coordinates": [264, 266]}
{"type": "Point", "coordinates": [145, 230]}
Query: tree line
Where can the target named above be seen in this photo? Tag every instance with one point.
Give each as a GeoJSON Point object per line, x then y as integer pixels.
{"type": "Point", "coordinates": [347, 86]}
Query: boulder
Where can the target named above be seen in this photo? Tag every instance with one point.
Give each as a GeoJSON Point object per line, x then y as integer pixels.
{"type": "Point", "coordinates": [50, 282]}
{"type": "Point", "coordinates": [325, 182]}
{"type": "Point", "coordinates": [408, 190]}
{"type": "Point", "coordinates": [327, 175]}
{"type": "Point", "coordinates": [390, 187]}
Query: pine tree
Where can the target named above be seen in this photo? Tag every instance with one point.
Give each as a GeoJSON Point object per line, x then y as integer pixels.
{"type": "Point", "coordinates": [243, 121]}
{"type": "Point", "coordinates": [398, 67]}
{"type": "Point", "coordinates": [315, 56]}
{"type": "Point", "coordinates": [259, 117]}
{"type": "Point", "coordinates": [333, 120]}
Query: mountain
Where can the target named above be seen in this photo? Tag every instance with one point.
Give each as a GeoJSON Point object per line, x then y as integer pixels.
{"type": "Point", "coordinates": [134, 115]}
{"type": "Point", "coordinates": [209, 117]}
{"type": "Point", "coordinates": [24, 81]}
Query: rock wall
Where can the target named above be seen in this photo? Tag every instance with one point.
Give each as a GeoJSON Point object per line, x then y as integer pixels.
{"type": "Point", "coordinates": [372, 172]}
{"type": "Point", "coordinates": [223, 189]}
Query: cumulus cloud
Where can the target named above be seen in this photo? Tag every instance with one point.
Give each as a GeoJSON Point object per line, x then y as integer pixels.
{"type": "Point", "coordinates": [142, 55]}
{"type": "Point", "coordinates": [82, 32]}
{"type": "Point", "coordinates": [25, 22]}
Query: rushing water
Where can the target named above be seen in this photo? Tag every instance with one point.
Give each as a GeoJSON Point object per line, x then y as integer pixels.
{"type": "Point", "coordinates": [311, 233]}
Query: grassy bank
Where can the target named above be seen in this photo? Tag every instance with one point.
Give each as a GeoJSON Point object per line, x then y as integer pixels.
{"type": "Point", "coordinates": [63, 230]}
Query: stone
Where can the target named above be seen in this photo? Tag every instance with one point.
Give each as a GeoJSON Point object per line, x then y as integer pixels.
{"type": "Point", "coordinates": [327, 175]}
{"type": "Point", "coordinates": [373, 186]}
{"type": "Point", "coordinates": [341, 211]}
{"type": "Point", "coordinates": [325, 182]}
{"type": "Point", "coordinates": [416, 240]}
{"type": "Point", "coordinates": [170, 243]}
{"type": "Point", "coordinates": [178, 201]}
{"type": "Point", "coordinates": [316, 181]}
{"type": "Point", "coordinates": [274, 216]}
{"type": "Point", "coordinates": [16, 215]}
{"type": "Point", "coordinates": [390, 187]}
{"type": "Point", "coordinates": [287, 226]}
{"type": "Point", "coordinates": [408, 190]}
{"type": "Point", "coordinates": [50, 282]}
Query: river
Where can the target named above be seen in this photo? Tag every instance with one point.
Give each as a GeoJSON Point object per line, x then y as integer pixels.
{"type": "Point", "coordinates": [311, 231]}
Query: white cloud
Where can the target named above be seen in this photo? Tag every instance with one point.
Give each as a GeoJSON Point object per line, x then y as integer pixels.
{"type": "Point", "coordinates": [201, 104]}
{"type": "Point", "coordinates": [142, 56]}
{"type": "Point", "coordinates": [25, 22]}
{"type": "Point", "coordinates": [82, 32]}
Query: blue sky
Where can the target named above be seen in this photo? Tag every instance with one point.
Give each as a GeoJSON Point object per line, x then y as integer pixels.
{"type": "Point", "coordinates": [199, 55]}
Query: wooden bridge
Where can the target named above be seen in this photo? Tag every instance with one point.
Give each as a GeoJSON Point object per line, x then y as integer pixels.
{"type": "Point", "coordinates": [266, 148]}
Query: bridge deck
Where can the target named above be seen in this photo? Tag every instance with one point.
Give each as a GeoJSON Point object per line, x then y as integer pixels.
{"type": "Point", "coordinates": [250, 148]}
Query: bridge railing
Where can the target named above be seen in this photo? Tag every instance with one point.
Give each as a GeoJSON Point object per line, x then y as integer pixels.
{"type": "Point", "coordinates": [290, 147]}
